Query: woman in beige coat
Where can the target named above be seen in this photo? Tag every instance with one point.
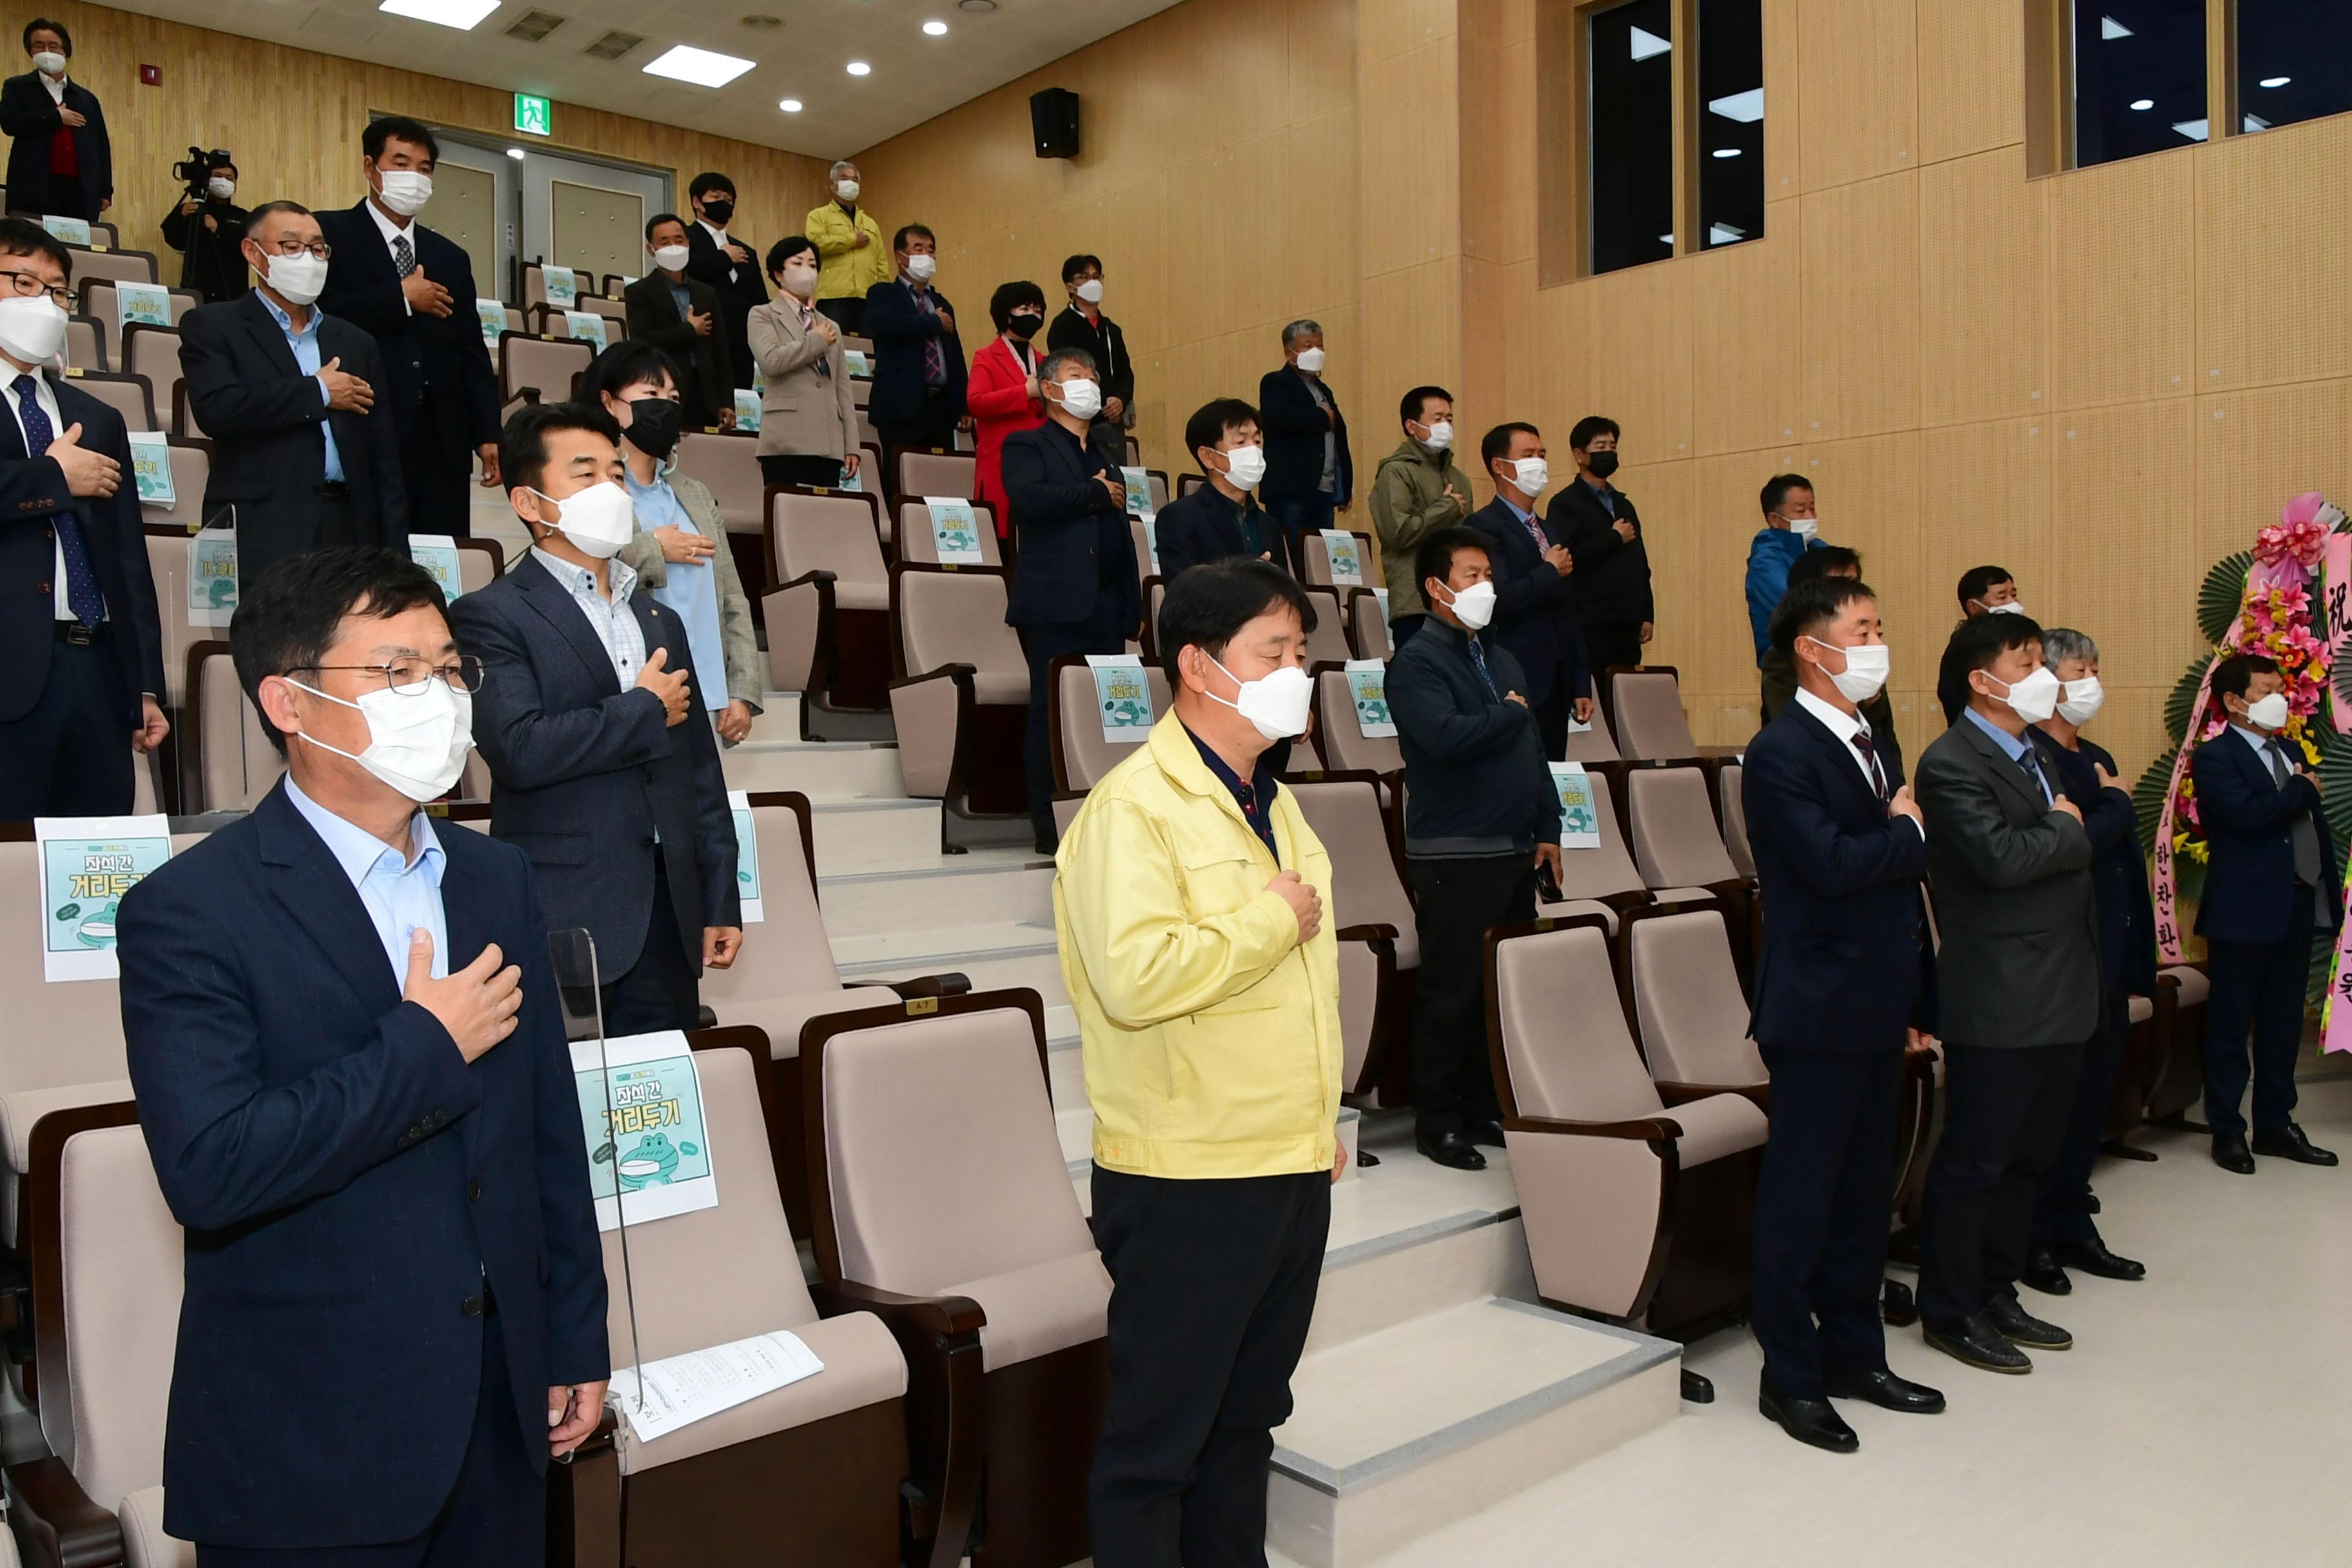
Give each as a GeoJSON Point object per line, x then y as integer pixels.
{"type": "Point", "coordinates": [808, 419]}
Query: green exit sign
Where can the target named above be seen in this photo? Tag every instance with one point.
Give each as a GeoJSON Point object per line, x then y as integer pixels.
{"type": "Point", "coordinates": [535, 116]}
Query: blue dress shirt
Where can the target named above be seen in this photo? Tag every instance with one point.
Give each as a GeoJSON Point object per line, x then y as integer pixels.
{"type": "Point", "coordinates": [400, 893]}
{"type": "Point", "coordinates": [305, 345]}
{"type": "Point", "coordinates": [689, 587]}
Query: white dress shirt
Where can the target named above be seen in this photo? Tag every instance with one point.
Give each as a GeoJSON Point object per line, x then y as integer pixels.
{"type": "Point", "coordinates": [56, 88]}
{"type": "Point", "coordinates": [392, 231]}
{"type": "Point", "coordinates": [718, 238]}
{"type": "Point", "coordinates": [45, 396]}
{"type": "Point", "coordinates": [1845, 727]}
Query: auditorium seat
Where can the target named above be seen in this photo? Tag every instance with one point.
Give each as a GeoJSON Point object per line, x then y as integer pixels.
{"type": "Point", "coordinates": [1368, 625]}
{"type": "Point", "coordinates": [1157, 483]}
{"type": "Point", "coordinates": [100, 305]}
{"type": "Point", "coordinates": [192, 465]}
{"type": "Point", "coordinates": [855, 345]}
{"type": "Point", "coordinates": [132, 397]}
{"type": "Point", "coordinates": [1733, 808]}
{"type": "Point", "coordinates": [480, 563]}
{"type": "Point", "coordinates": [1602, 880]}
{"type": "Point", "coordinates": [1318, 562]}
{"type": "Point", "coordinates": [922, 472]}
{"type": "Point", "coordinates": [1368, 904]}
{"type": "Point", "coordinates": [728, 462]}
{"type": "Point", "coordinates": [154, 352]}
{"type": "Point", "coordinates": [1341, 733]}
{"type": "Point", "coordinates": [1596, 745]}
{"type": "Point", "coordinates": [1328, 640]}
{"type": "Point", "coordinates": [1671, 825]}
{"type": "Point", "coordinates": [1637, 1196]}
{"type": "Point", "coordinates": [943, 1202]}
{"type": "Point", "coordinates": [1147, 559]}
{"type": "Point", "coordinates": [2145, 1048]}
{"type": "Point", "coordinates": [916, 541]}
{"type": "Point", "coordinates": [1693, 1016]}
{"type": "Point", "coordinates": [1187, 483]}
{"type": "Point", "coordinates": [1155, 594]}
{"type": "Point", "coordinates": [537, 369]}
{"type": "Point", "coordinates": [1081, 753]}
{"type": "Point", "coordinates": [84, 349]}
{"type": "Point", "coordinates": [1645, 706]}
{"type": "Point", "coordinates": [2178, 1092]}
{"type": "Point", "coordinates": [960, 688]}
{"type": "Point", "coordinates": [828, 619]}
{"type": "Point", "coordinates": [231, 762]}
{"type": "Point", "coordinates": [861, 391]}
{"type": "Point", "coordinates": [116, 266]}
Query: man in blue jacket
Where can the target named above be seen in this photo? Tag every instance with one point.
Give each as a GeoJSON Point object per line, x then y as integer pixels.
{"type": "Point", "coordinates": [2270, 883]}
{"type": "Point", "coordinates": [351, 1075]}
{"type": "Point", "coordinates": [1789, 529]}
{"type": "Point", "coordinates": [1480, 814]}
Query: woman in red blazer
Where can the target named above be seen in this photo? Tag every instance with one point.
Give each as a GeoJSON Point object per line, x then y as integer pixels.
{"type": "Point", "coordinates": [1002, 391]}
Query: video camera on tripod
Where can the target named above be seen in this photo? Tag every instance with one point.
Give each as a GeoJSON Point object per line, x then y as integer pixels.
{"type": "Point", "coordinates": [195, 171]}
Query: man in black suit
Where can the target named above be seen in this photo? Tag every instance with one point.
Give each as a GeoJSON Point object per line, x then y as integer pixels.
{"type": "Point", "coordinates": [604, 769]}
{"type": "Point", "coordinates": [1535, 603]}
{"type": "Point", "coordinates": [1073, 583]}
{"type": "Point", "coordinates": [352, 1079]}
{"type": "Point", "coordinates": [288, 395]}
{"type": "Point", "coordinates": [1844, 986]}
{"type": "Point", "coordinates": [1221, 518]}
{"type": "Point", "coordinates": [679, 314]}
{"type": "Point", "coordinates": [2271, 882]}
{"type": "Point", "coordinates": [61, 160]}
{"type": "Point", "coordinates": [919, 368]}
{"type": "Point", "coordinates": [729, 266]}
{"type": "Point", "coordinates": [83, 645]}
{"type": "Point", "coordinates": [1603, 532]}
{"type": "Point", "coordinates": [1310, 475]}
{"type": "Point", "coordinates": [2017, 991]}
{"type": "Point", "coordinates": [414, 290]}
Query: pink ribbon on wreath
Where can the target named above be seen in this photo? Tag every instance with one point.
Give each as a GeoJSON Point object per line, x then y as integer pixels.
{"type": "Point", "coordinates": [2165, 891]}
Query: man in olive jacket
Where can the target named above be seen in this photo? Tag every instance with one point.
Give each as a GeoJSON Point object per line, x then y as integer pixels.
{"type": "Point", "coordinates": [1417, 492]}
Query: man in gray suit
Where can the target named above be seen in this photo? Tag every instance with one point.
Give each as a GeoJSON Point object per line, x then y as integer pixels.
{"type": "Point", "coordinates": [2018, 985]}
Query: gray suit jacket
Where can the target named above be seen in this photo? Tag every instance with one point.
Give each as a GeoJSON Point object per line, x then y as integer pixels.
{"type": "Point", "coordinates": [801, 414]}
{"type": "Point", "coordinates": [2014, 902]}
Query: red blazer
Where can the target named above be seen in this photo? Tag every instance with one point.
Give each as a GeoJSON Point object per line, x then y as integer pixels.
{"type": "Point", "coordinates": [997, 396]}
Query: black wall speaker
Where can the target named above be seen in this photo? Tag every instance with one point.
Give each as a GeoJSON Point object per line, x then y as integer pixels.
{"type": "Point", "coordinates": [1054, 117]}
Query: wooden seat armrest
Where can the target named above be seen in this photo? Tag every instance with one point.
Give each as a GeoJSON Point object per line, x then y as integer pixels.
{"type": "Point", "coordinates": [1646, 1129]}
{"type": "Point", "coordinates": [56, 1523]}
{"type": "Point", "coordinates": [946, 1317]}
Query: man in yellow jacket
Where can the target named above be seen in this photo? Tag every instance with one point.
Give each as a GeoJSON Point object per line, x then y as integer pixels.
{"type": "Point", "coordinates": [851, 257]}
{"type": "Point", "coordinates": [1205, 977]}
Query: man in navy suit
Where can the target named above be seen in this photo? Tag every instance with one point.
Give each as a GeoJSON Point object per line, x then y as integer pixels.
{"type": "Point", "coordinates": [1535, 610]}
{"type": "Point", "coordinates": [351, 1075]}
{"type": "Point", "coordinates": [919, 369]}
{"type": "Point", "coordinates": [413, 289]}
{"type": "Point", "coordinates": [604, 769]}
{"type": "Point", "coordinates": [82, 643]}
{"type": "Point", "coordinates": [1309, 473]}
{"type": "Point", "coordinates": [2271, 882]}
{"type": "Point", "coordinates": [1844, 984]}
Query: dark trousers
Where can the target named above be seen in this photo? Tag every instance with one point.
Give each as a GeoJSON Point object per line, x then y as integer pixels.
{"type": "Point", "coordinates": [1551, 718]}
{"type": "Point", "coordinates": [2005, 1109]}
{"type": "Point", "coordinates": [440, 476]}
{"type": "Point", "coordinates": [2262, 986]}
{"type": "Point", "coordinates": [333, 523]}
{"type": "Point", "coordinates": [1298, 516]}
{"type": "Point", "coordinates": [1100, 633]}
{"type": "Point", "coordinates": [2061, 1211]}
{"type": "Point", "coordinates": [1822, 1206]}
{"type": "Point", "coordinates": [1611, 643]}
{"type": "Point", "coordinates": [1402, 628]}
{"type": "Point", "coordinates": [65, 199]}
{"type": "Point", "coordinates": [69, 754]}
{"type": "Point", "coordinates": [1454, 903]}
{"type": "Point", "coordinates": [933, 425]}
{"type": "Point", "coordinates": [496, 1514]}
{"type": "Point", "coordinates": [660, 990]}
{"type": "Point", "coordinates": [1212, 1287]}
{"type": "Point", "coordinates": [848, 313]}
{"type": "Point", "coordinates": [793, 469]}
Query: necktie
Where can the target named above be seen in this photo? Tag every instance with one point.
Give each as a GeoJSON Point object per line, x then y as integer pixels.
{"type": "Point", "coordinates": [1478, 657]}
{"type": "Point", "coordinates": [82, 596]}
{"type": "Point", "coordinates": [1869, 749]}
{"type": "Point", "coordinates": [2305, 837]}
{"type": "Point", "coordinates": [404, 255]}
{"type": "Point", "coordinates": [935, 366]}
{"type": "Point", "coordinates": [808, 324]}
{"type": "Point", "coordinates": [2031, 763]}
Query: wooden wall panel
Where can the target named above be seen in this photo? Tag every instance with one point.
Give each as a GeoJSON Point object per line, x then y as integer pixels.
{"type": "Point", "coordinates": [1748, 361]}
{"type": "Point", "coordinates": [1412, 219]}
{"type": "Point", "coordinates": [1497, 150]}
{"type": "Point", "coordinates": [1984, 500]}
{"type": "Point", "coordinates": [2123, 278]}
{"type": "Point", "coordinates": [2273, 212]}
{"type": "Point", "coordinates": [1636, 331]}
{"type": "Point", "coordinates": [1971, 76]}
{"type": "Point", "coordinates": [2256, 448]}
{"type": "Point", "coordinates": [1857, 93]}
{"type": "Point", "coordinates": [1861, 317]}
{"type": "Point", "coordinates": [1983, 252]}
{"type": "Point", "coordinates": [1783, 161]}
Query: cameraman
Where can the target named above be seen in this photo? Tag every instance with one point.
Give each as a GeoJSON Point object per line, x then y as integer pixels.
{"type": "Point", "coordinates": [209, 227]}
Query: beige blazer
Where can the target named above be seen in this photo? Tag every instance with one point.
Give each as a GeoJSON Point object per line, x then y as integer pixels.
{"type": "Point", "coordinates": [801, 414]}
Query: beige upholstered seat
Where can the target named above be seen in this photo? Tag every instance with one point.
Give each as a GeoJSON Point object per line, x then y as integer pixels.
{"type": "Point", "coordinates": [1344, 743]}
{"type": "Point", "coordinates": [539, 370]}
{"type": "Point", "coordinates": [116, 266]}
{"type": "Point", "coordinates": [728, 462]}
{"type": "Point", "coordinates": [479, 561]}
{"type": "Point", "coordinates": [235, 763]}
{"type": "Point", "coordinates": [918, 544]}
{"type": "Point", "coordinates": [831, 635]}
{"type": "Point", "coordinates": [1328, 643]}
{"type": "Point", "coordinates": [1368, 629]}
{"type": "Point", "coordinates": [1600, 874]}
{"type": "Point", "coordinates": [154, 352]}
{"type": "Point", "coordinates": [942, 619]}
{"type": "Point", "coordinates": [191, 466]}
{"type": "Point", "coordinates": [1649, 722]}
{"type": "Point", "coordinates": [935, 474]}
{"type": "Point", "coordinates": [1318, 562]}
{"type": "Point", "coordinates": [1593, 745]}
{"type": "Point", "coordinates": [1675, 841]}
{"type": "Point", "coordinates": [829, 533]}
{"type": "Point", "coordinates": [1368, 891]}
{"type": "Point", "coordinates": [129, 396]}
{"type": "Point", "coordinates": [1735, 818]}
{"type": "Point", "coordinates": [1686, 996]}
{"type": "Point", "coordinates": [167, 564]}
{"type": "Point", "coordinates": [1082, 755]}
{"type": "Point", "coordinates": [84, 349]}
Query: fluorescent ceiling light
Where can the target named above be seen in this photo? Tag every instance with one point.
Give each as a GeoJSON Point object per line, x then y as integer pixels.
{"type": "Point", "coordinates": [790, 105]}
{"type": "Point", "coordinates": [1665, 239]}
{"type": "Point", "coordinates": [2143, 103]}
{"type": "Point", "coordinates": [2193, 129]}
{"type": "Point", "coordinates": [1724, 234]}
{"type": "Point", "coordinates": [700, 67]}
{"type": "Point", "coordinates": [860, 67]}
{"type": "Point", "coordinates": [2276, 80]}
{"type": "Point", "coordinates": [516, 153]}
{"type": "Point", "coordinates": [1746, 107]}
{"type": "Point", "coordinates": [1726, 151]}
{"type": "Point", "coordinates": [936, 29]}
{"type": "Point", "coordinates": [2256, 123]}
{"type": "Point", "coordinates": [1647, 44]}
{"type": "Point", "coordinates": [458, 14]}
{"type": "Point", "coordinates": [2111, 29]}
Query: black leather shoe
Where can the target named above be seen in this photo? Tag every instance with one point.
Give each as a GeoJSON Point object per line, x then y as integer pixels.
{"type": "Point", "coordinates": [1048, 847]}
{"type": "Point", "coordinates": [2019, 1326]}
{"type": "Point", "coordinates": [2289, 1143]}
{"type": "Point", "coordinates": [1813, 1421]}
{"type": "Point", "coordinates": [1975, 1342]}
{"type": "Point", "coordinates": [2230, 1153]}
{"type": "Point", "coordinates": [1886, 1390]}
{"type": "Point", "coordinates": [1451, 1150]}
{"type": "Point", "coordinates": [2092, 1258]}
{"type": "Point", "coordinates": [2045, 1274]}
{"type": "Point", "coordinates": [1489, 1133]}
{"type": "Point", "coordinates": [1897, 1305]}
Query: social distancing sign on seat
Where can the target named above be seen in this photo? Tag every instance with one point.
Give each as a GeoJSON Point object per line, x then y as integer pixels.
{"type": "Point", "coordinates": [1580, 817]}
{"type": "Point", "coordinates": [747, 857]}
{"type": "Point", "coordinates": [88, 864]}
{"type": "Point", "coordinates": [1122, 696]}
{"type": "Point", "coordinates": [641, 1107]}
{"type": "Point", "coordinates": [1367, 684]}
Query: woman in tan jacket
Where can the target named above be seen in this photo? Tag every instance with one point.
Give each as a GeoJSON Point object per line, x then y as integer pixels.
{"type": "Point", "coordinates": [808, 419]}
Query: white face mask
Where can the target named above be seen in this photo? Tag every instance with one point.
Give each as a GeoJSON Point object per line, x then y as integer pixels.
{"type": "Point", "coordinates": [921, 269]}
{"type": "Point", "coordinates": [1081, 399]}
{"type": "Point", "coordinates": [1090, 291]}
{"type": "Point", "coordinates": [800, 283]}
{"type": "Point", "coordinates": [1440, 436]}
{"type": "Point", "coordinates": [48, 62]}
{"type": "Point", "coordinates": [1805, 527]}
{"type": "Point", "coordinates": [1534, 476]}
{"type": "Point", "coordinates": [221, 189]}
{"type": "Point", "coordinates": [2011, 608]}
{"type": "Point", "coordinates": [2083, 700]}
{"type": "Point", "coordinates": [1311, 360]}
{"type": "Point", "coordinates": [1276, 705]}
{"type": "Point", "coordinates": [846, 190]}
{"type": "Point", "coordinates": [672, 257]}
{"type": "Point", "coordinates": [1867, 665]}
{"type": "Point", "coordinates": [2035, 698]}
{"type": "Point", "coordinates": [598, 520]}
{"type": "Point", "coordinates": [32, 329]}
{"type": "Point", "coordinates": [1473, 606]}
{"type": "Point", "coordinates": [1244, 466]}
{"type": "Point", "coordinates": [301, 278]}
{"type": "Point", "coordinates": [405, 191]}
{"type": "Point", "coordinates": [417, 741]}
{"type": "Point", "coordinates": [2269, 714]}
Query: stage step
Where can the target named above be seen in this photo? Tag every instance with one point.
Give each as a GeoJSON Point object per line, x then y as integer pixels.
{"type": "Point", "coordinates": [982, 886]}
{"type": "Point", "coordinates": [874, 834]}
{"type": "Point", "coordinates": [833, 769]}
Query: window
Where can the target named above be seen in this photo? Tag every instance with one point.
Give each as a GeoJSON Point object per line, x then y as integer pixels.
{"type": "Point", "coordinates": [1730, 121]}
{"type": "Point", "coordinates": [2139, 78]}
{"type": "Point", "coordinates": [1630, 161]}
{"type": "Point", "coordinates": [2294, 61]}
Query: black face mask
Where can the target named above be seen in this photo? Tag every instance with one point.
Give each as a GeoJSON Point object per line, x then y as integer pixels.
{"type": "Point", "coordinates": [1024, 327]}
{"type": "Point", "coordinates": [1604, 464]}
{"type": "Point", "coordinates": [718, 212]}
{"type": "Point", "coordinates": [653, 425]}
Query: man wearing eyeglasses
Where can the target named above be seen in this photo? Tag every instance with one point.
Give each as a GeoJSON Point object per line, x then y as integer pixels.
{"type": "Point", "coordinates": [82, 645]}
{"type": "Point", "coordinates": [288, 395]}
{"type": "Point", "coordinates": [342, 1029]}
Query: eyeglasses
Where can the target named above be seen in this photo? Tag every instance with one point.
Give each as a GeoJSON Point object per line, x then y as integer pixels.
{"type": "Point", "coordinates": [411, 677]}
{"type": "Point", "coordinates": [318, 248]}
{"type": "Point", "coordinates": [27, 284]}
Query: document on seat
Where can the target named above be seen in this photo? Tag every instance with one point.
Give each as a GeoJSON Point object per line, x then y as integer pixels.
{"type": "Point", "coordinates": [1580, 819]}
{"type": "Point", "coordinates": [1122, 696]}
{"type": "Point", "coordinates": [747, 858]}
{"type": "Point", "coordinates": [88, 863]}
{"type": "Point", "coordinates": [664, 1396]}
{"type": "Point", "coordinates": [1367, 684]}
{"type": "Point", "coordinates": [647, 1146]}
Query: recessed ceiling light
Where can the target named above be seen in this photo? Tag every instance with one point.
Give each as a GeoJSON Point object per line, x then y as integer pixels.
{"type": "Point", "coordinates": [936, 29]}
{"type": "Point", "coordinates": [2195, 130]}
{"type": "Point", "coordinates": [860, 67]}
{"type": "Point", "coordinates": [458, 14]}
{"type": "Point", "coordinates": [1726, 151]}
{"type": "Point", "coordinates": [702, 67]}
{"type": "Point", "coordinates": [1726, 234]}
{"type": "Point", "coordinates": [789, 105]}
{"type": "Point", "coordinates": [2276, 80]}
{"type": "Point", "coordinates": [1645, 44]}
{"type": "Point", "coordinates": [516, 153]}
{"type": "Point", "coordinates": [1746, 107]}
{"type": "Point", "coordinates": [762, 23]}
{"type": "Point", "coordinates": [2256, 123]}
{"type": "Point", "coordinates": [2143, 103]}
{"type": "Point", "coordinates": [978, 7]}
{"type": "Point", "coordinates": [2110, 29]}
